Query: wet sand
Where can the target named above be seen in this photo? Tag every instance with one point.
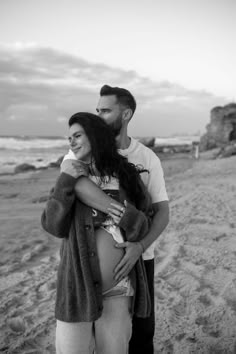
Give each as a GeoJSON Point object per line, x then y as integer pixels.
{"type": "Point", "coordinates": [195, 261]}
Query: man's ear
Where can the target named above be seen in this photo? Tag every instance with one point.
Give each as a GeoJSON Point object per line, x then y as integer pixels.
{"type": "Point", "coordinates": [127, 114]}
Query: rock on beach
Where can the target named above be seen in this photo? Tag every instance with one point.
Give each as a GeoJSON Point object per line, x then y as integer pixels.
{"type": "Point", "coordinates": [24, 167]}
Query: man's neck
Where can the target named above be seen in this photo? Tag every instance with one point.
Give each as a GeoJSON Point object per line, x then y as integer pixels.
{"type": "Point", "coordinates": [123, 141]}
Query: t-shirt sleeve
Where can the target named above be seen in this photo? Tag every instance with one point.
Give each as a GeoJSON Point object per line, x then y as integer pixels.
{"type": "Point", "coordinates": [69, 156]}
{"type": "Point", "coordinates": [156, 183]}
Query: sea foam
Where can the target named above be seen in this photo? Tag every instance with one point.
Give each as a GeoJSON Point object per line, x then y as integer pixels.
{"type": "Point", "coordinates": [24, 143]}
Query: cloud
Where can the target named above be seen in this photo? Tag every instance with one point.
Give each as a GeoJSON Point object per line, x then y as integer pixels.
{"type": "Point", "coordinates": [61, 119]}
{"type": "Point", "coordinates": [21, 111]}
{"type": "Point", "coordinates": [44, 84]}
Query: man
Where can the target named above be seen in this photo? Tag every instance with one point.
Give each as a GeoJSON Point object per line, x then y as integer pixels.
{"type": "Point", "coordinates": [117, 106]}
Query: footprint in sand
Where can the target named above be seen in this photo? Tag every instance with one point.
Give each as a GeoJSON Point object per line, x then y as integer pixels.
{"type": "Point", "coordinates": [39, 248]}
{"type": "Point", "coordinates": [17, 324]}
{"type": "Point", "coordinates": [35, 251]}
{"type": "Point", "coordinates": [26, 257]}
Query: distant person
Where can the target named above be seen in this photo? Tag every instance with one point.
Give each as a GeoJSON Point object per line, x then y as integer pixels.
{"type": "Point", "coordinates": [117, 106]}
{"type": "Point", "coordinates": [92, 306]}
{"type": "Point", "coordinates": [195, 149]}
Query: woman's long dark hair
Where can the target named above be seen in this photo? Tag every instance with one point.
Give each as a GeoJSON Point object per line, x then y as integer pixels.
{"type": "Point", "coordinates": [107, 160]}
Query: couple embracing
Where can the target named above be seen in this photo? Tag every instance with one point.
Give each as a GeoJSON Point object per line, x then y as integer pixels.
{"type": "Point", "coordinates": [109, 205]}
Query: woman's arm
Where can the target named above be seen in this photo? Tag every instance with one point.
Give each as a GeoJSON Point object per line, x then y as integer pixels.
{"type": "Point", "coordinates": [58, 213]}
{"type": "Point", "coordinates": [92, 195]}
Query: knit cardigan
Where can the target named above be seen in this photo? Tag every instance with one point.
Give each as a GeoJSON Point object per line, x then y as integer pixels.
{"type": "Point", "coordinates": [79, 286]}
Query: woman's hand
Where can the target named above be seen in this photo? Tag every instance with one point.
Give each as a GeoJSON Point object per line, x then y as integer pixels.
{"type": "Point", "coordinates": [116, 211]}
{"type": "Point", "coordinates": [74, 168]}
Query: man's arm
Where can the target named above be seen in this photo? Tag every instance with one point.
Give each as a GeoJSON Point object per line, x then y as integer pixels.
{"type": "Point", "coordinates": [90, 194]}
{"type": "Point", "coordinates": [133, 249]}
{"type": "Point", "coordinates": [159, 223]}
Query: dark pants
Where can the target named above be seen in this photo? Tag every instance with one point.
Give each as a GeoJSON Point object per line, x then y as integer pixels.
{"type": "Point", "coordinates": [143, 328]}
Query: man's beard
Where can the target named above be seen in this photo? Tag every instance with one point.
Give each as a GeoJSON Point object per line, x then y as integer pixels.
{"type": "Point", "coordinates": [116, 127]}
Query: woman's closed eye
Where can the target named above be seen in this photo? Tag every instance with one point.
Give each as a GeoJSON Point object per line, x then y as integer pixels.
{"type": "Point", "coordinates": [75, 136]}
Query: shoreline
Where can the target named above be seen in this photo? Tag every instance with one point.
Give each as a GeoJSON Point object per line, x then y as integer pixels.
{"type": "Point", "coordinates": [26, 167]}
{"type": "Point", "coordinates": [39, 152]}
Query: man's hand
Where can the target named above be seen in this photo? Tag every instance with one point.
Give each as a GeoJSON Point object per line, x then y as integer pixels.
{"type": "Point", "coordinates": [133, 251]}
{"type": "Point", "coordinates": [74, 168]}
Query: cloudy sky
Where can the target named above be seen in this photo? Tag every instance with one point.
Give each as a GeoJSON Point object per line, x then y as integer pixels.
{"type": "Point", "coordinates": [177, 57]}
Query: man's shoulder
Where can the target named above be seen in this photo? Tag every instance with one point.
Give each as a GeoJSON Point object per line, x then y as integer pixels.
{"type": "Point", "coordinates": [140, 148]}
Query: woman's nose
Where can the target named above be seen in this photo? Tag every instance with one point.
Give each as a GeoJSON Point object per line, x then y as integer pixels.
{"type": "Point", "coordinates": [72, 141]}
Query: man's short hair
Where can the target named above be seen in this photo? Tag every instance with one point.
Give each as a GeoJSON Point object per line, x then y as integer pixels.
{"type": "Point", "coordinates": [124, 97]}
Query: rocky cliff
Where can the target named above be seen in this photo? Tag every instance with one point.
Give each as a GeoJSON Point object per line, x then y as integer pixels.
{"type": "Point", "coordinates": [222, 127]}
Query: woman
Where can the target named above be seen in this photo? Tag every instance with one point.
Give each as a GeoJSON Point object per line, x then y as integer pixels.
{"type": "Point", "coordinates": [89, 304]}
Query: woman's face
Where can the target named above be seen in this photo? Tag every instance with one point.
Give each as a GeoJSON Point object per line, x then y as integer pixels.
{"type": "Point", "coordinates": [79, 143]}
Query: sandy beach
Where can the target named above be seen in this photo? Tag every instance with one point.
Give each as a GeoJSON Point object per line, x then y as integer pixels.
{"type": "Point", "coordinates": [195, 261]}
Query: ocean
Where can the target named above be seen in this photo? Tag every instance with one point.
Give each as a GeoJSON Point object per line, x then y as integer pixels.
{"type": "Point", "coordinates": [40, 151]}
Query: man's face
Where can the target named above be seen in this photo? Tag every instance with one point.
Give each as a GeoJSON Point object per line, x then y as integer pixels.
{"type": "Point", "coordinates": [109, 110]}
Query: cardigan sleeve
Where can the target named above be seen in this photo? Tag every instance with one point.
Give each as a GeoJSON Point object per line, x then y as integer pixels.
{"type": "Point", "coordinates": [57, 216]}
{"type": "Point", "coordinates": [137, 219]}
{"type": "Point", "coordinates": [135, 223]}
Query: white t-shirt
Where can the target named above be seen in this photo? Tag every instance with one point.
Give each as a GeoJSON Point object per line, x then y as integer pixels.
{"type": "Point", "coordinates": [139, 154]}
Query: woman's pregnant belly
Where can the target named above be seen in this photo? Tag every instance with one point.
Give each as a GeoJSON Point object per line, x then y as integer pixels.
{"type": "Point", "coordinates": [109, 256]}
